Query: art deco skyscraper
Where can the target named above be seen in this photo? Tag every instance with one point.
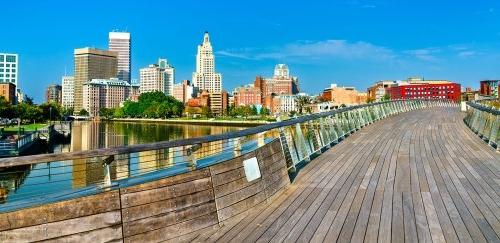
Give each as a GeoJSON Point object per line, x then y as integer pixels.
{"type": "Point", "coordinates": [92, 64]}
{"type": "Point", "coordinates": [205, 77]}
{"type": "Point", "coordinates": [119, 42]}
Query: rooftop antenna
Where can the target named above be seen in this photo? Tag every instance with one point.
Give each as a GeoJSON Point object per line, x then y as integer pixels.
{"type": "Point", "coordinates": [65, 70]}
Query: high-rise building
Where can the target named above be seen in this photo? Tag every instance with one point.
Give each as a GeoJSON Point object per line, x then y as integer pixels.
{"type": "Point", "coordinates": [158, 77]}
{"type": "Point", "coordinates": [8, 91]}
{"type": "Point", "coordinates": [119, 42]}
{"type": "Point", "coordinates": [9, 68]}
{"type": "Point", "coordinates": [205, 77]}
{"type": "Point", "coordinates": [54, 93]}
{"type": "Point", "coordinates": [68, 91]}
{"type": "Point", "coordinates": [106, 93]}
{"type": "Point", "coordinates": [92, 64]}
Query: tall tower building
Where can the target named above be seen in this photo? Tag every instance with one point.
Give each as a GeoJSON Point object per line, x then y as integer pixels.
{"type": "Point", "coordinates": [119, 42]}
{"type": "Point", "coordinates": [205, 77]}
{"type": "Point", "coordinates": [68, 91]}
{"type": "Point", "coordinates": [92, 64]}
{"type": "Point", "coordinates": [9, 68]}
{"type": "Point", "coordinates": [158, 77]}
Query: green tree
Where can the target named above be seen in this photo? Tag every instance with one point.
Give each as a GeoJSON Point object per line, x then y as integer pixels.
{"type": "Point", "coordinates": [28, 100]}
{"type": "Point", "coordinates": [106, 113]}
{"type": "Point", "coordinates": [51, 111]}
{"type": "Point", "coordinates": [386, 97]}
{"type": "Point", "coordinates": [253, 111]}
{"type": "Point", "coordinates": [177, 109]}
{"type": "Point", "coordinates": [164, 110]}
{"type": "Point", "coordinates": [206, 112]}
{"type": "Point", "coordinates": [132, 109]}
{"type": "Point", "coordinates": [264, 111]}
{"type": "Point", "coordinates": [190, 111]}
{"type": "Point", "coordinates": [67, 111]}
{"type": "Point", "coordinates": [118, 112]}
{"type": "Point", "coordinates": [151, 111]}
{"type": "Point", "coordinates": [6, 109]}
{"type": "Point", "coordinates": [32, 113]}
{"type": "Point", "coordinates": [83, 112]}
{"type": "Point", "coordinates": [301, 102]}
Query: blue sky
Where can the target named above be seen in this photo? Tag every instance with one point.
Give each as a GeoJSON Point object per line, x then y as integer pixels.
{"type": "Point", "coordinates": [351, 42]}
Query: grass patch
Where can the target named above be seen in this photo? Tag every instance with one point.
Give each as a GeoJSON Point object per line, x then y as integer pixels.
{"type": "Point", "coordinates": [27, 127]}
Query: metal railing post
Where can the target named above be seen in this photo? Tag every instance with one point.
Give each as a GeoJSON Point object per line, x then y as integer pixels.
{"type": "Point", "coordinates": [107, 170]}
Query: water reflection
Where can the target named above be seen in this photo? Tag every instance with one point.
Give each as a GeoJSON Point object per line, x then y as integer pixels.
{"type": "Point", "coordinates": [20, 184]}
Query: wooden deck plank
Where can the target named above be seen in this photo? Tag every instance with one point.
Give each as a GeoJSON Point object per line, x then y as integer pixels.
{"type": "Point", "coordinates": [417, 176]}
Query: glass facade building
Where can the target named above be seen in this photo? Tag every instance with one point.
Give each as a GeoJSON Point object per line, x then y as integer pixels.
{"type": "Point", "coordinates": [9, 68]}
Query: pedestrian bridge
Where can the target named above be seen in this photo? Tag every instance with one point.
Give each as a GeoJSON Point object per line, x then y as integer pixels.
{"type": "Point", "coordinates": [400, 171]}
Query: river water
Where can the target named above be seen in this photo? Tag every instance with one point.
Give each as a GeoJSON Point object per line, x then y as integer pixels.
{"type": "Point", "coordinates": [37, 184]}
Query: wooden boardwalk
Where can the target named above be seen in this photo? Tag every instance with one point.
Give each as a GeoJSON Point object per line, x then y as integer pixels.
{"type": "Point", "coordinates": [421, 176]}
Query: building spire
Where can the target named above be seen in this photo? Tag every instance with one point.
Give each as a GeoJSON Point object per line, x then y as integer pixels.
{"type": "Point", "coordinates": [206, 38]}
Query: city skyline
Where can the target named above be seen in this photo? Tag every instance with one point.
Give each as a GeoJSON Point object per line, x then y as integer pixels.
{"type": "Point", "coordinates": [327, 44]}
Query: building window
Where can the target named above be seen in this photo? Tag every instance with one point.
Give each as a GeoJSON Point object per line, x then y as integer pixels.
{"type": "Point", "coordinates": [11, 58]}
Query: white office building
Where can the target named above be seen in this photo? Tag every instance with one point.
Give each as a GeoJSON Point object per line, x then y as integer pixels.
{"type": "Point", "coordinates": [158, 77]}
{"type": "Point", "coordinates": [120, 42]}
{"type": "Point", "coordinates": [287, 103]}
{"type": "Point", "coordinates": [205, 77]}
{"type": "Point", "coordinates": [68, 91]}
{"type": "Point", "coordinates": [9, 68]}
{"type": "Point", "coordinates": [106, 93]}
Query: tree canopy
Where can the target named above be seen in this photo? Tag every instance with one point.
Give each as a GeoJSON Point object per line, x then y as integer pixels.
{"type": "Point", "coordinates": [152, 105]}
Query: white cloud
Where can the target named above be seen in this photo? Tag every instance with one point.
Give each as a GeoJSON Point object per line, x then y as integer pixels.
{"type": "Point", "coordinates": [425, 54]}
{"type": "Point", "coordinates": [466, 54]}
{"type": "Point", "coordinates": [317, 50]}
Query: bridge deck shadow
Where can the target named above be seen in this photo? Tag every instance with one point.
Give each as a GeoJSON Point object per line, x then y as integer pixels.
{"type": "Point", "coordinates": [417, 176]}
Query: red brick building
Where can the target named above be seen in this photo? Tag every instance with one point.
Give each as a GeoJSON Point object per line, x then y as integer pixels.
{"type": "Point", "coordinates": [247, 95]}
{"type": "Point", "coordinates": [427, 90]}
{"type": "Point", "coordinates": [263, 89]}
{"type": "Point", "coordinates": [490, 88]}
{"type": "Point", "coordinates": [8, 91]}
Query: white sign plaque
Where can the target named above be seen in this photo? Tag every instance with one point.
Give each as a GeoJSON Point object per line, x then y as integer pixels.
{"type": "Point", "coordinates": [252, 170]}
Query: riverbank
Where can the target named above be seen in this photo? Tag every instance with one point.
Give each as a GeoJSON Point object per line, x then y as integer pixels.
{"type": "Point", "coordinates": [245, 123]}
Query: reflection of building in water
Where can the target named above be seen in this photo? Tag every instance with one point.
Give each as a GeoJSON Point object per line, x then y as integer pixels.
{"type": "Point", "coordinates": [212, 148]}
{"type": "Point", "coordinates": [11, 179]}
{"type": "Point", "coordinates": [95, 134]}
{"type": "Point", "coordinates": [155, 159]}
{"type": "Point", "coordinates": [121, 166]}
